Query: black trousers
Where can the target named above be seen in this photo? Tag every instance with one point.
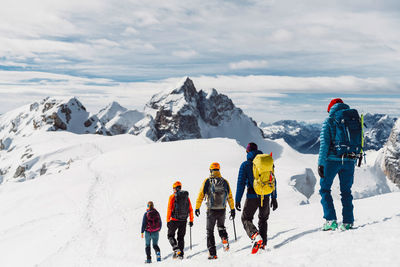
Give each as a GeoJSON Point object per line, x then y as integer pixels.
{"type": "Point", "coordinates": [218, 217]}
{"type": "Point", "coordinates": [250, 207]}
{"type": "Point", "coordinates": [173, 226]}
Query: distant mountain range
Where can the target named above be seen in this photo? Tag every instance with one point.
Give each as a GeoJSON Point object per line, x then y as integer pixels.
{"type": "Point", "coordinates": [304, 137]}
{"type": "Point", "coordinates": [184, 113]}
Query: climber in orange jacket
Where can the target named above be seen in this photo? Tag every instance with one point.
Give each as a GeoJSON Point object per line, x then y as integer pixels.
{"type": "Point", "coordinates": [179, 209]}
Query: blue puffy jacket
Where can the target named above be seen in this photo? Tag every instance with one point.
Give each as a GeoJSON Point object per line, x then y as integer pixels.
{"type": "Point", "coordinates": [326, 150]}
{"type": "Point", "coordinates": [246, 178]}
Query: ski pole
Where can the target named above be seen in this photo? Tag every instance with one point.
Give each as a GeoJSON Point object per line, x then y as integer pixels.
{"type": "Point", "coordinates": [190, 237]}
{"type": "Point", "coordinates": [234, 228]}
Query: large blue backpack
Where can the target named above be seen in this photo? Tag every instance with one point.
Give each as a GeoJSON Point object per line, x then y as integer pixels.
{"type": "Point", "coordinates": [347, 132]}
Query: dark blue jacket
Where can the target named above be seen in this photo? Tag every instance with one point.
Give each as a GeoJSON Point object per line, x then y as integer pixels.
{"type": "Point", "coordinates": [144, 222]}
{"type": "Point", "coordinates": [326, 150]}
{"type": "Point", "coordinates": [246, 178]}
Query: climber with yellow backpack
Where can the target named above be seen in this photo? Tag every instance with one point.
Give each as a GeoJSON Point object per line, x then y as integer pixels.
{"type": "Point", "coordinates": [257, 173]}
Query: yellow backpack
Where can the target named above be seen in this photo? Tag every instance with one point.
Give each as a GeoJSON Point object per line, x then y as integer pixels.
{"type": "Point", "coordinates": [263, 172]}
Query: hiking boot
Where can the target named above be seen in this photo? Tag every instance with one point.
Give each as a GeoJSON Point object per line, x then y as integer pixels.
{"type": "Point", "coordinates": [148, 261]}
{"type": "Point", "coordinates": [178, 254]}
{"type": "Point", "coordinates": [346, 226]}
{"type": "Point", "coordinates": [212, 257]}
{"type": "Point", "coordinates": [158, 254]}
{"type": "Point", "coordinates": [330, 225]}
{"type": "Point", "coordinates": [253, 237]}
{"type": "Point", "coordinates": [257, 243]}
{"type": "Point", "coordinates": [225, 244]}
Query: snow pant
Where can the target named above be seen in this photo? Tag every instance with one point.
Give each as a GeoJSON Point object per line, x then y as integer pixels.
{"type": "Point", "coordinates": [346, 177]}
{"type": "Point", "coordinates": [250, 207]}
{"type": "Point", "coordinates": [215, 216]}
{"type": "Point", "coordinates": [151, 237]}
{"type": "Point", "coordinates": [173, 226]}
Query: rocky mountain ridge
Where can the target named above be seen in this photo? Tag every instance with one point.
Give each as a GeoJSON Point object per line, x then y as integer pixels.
{"type": "Point", "coordinates": [185, 113]}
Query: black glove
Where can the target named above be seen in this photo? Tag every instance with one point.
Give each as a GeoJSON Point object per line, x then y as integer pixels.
{"type": "Point", "coordinates": [321, 171]}
{"type": "Point", "coordinates": [232, 217]}
{"type": "Point", "coordinates": [274, 204]}
{"type": "Point", "coordinates": [190, 224]}
{"type": "Point", "coordinates": [238, 206]}
{"type": "Point", "coordinates": [197, 212]}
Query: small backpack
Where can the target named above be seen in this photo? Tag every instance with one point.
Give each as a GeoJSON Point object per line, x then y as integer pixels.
{"type": "Point", "coordinates": [263, 172]}
{"type": "Point", "coordinates": [217, 193]}
{"type": "Point", "coordinates": [153, 221]}
{"type": "Point", "coordinates": [181, 206]}
{"type": "Point", "coordinates": [347, 135]}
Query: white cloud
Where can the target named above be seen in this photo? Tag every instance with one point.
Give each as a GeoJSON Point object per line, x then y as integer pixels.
{"type": "Point", "coordinates": [281, 35]}
{"type": "Point", "coordinates": [309, 38]}
{"type": "Point", "coordinates": [129, 31]}
{"type": "Point", "coordinates": [104, 43]}
{"type": "Point", "coordinates": [185, 54]}
{"type": "Point", "coordinates": [249, 64]}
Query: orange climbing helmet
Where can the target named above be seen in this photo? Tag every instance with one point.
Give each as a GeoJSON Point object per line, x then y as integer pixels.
{"type": "Point", "coordinates": [176, 184]}
{"type": "Point", "coordinates": [214, 166]}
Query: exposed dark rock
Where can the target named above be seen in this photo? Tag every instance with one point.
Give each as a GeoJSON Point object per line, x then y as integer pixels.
{"type": "Point", "coordinates": [67, 111]}
{"type": "Point", "coordinates": [20, 172]}
{"type": "Point", "coordinates": [34, 106]}
{"type": "Point", "coordinates": [43, 170]}
{"type": "Point", "coordinates": [87, 123]}
{"type": "Point", "coordinates": [57, 122]}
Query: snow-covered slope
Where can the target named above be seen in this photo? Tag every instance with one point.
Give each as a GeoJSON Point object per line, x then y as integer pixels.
{"type": "Point", "coordinates": [117, 119]}
{"type": "Point", "coordinates": [89, 212]}
{"type": "Point", "coordinates": [20, 157]}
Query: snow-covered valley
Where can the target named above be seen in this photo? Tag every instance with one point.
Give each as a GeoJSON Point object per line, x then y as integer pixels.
{"type": "Point", "coordinates": [89, 212]}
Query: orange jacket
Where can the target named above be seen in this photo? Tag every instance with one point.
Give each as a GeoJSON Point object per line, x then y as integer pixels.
{"type": "Point", "coordinates": [171, 206]}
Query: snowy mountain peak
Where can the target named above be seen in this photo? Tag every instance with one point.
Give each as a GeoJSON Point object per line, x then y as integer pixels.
{"type": "Point", "coordinates": [187, 89]}
{"type": "Point", "coordinates": [185, 113]}
{"type": "Point", "coordinates": [110, 111]}
{"type": "Point", "coordinates": [50, 114]}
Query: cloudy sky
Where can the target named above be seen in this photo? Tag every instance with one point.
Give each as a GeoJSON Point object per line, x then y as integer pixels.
{"type": "Point", "coordinates": [276, 59]}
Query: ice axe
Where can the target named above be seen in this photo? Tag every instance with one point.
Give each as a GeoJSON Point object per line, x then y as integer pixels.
{"type": "Point", "coordinates": [190, 230]}
{"type": "Point", "coordinates": [234, 227]}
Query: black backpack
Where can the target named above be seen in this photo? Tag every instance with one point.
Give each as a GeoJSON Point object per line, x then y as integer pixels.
{"type": "Point", "coordinates": [181, 206]}
{"type": "Point", "coordinates": [153, 221]}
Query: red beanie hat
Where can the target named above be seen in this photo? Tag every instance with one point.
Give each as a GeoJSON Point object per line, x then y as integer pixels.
{"type": "Point", "coordinates": [333, 102]}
